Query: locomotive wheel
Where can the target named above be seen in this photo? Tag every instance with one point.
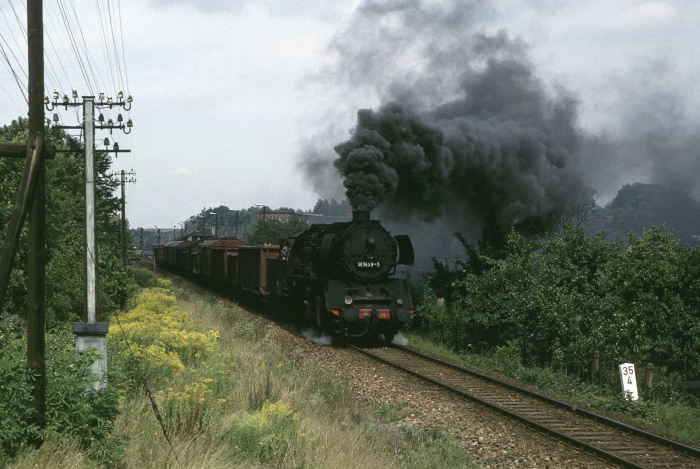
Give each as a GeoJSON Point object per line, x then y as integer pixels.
{"type": "Point", "coordinates": [389, 337]}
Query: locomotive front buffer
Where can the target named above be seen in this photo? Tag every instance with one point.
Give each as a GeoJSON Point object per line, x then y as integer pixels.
{"type": "Point", "coordinates": [371, 309]}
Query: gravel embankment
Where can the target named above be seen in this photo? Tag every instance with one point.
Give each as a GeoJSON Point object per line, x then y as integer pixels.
{"type": "Point", "coordinates": [491, 440]}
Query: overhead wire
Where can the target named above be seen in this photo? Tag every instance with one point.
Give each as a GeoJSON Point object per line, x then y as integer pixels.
{"type": "Point", "coordinates": [117, 62]}
{"type": "Point", "coordinates": [70, 31]}
{"type": "Point", "coordinates": [104, 43]}
{"type": "Point", "coordinates": [112, 37]}
{"type": "Point", "coordinates": [102, 14]}
{"type": "Point", "coordinates": [52, 35]}
{"type": "Point", "coordinates": [22, 88]}
{"type": "Point", "coordinates": [23, 30]}
{"type": "Point", "coordinates": [121, 35]}
{"type": "Point", "coordinates": [79, 45]}
{"type": "Point", "coordinates": [15, 65]}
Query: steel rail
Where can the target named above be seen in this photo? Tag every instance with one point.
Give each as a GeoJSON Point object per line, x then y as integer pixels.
{"type": "Point", "coordinates": [672, 444]}
{"type": "Point", "coordinates": [588, 447]}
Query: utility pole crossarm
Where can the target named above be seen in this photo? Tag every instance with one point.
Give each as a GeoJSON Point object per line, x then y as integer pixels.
{"type": "Point", "coordinates": [20, 150]}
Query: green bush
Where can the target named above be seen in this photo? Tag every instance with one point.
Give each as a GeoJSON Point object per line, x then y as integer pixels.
{"type": "Point", "coordinates": [15, 404]}
{"type": "Point", "coordinates": [637, 301]}
{"type": "Point", "coordinates": [72, 406]}
{"type": "Point", "coordinates": [65, 256]}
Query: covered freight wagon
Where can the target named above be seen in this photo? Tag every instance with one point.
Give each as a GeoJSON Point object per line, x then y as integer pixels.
{"type": "Point", "coordinates": [252, 267]}
{"type": "Point", "coordinates": [213, 257]}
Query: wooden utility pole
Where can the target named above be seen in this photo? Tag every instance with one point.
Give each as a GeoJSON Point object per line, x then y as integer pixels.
{"type": "Point", "coordinates": [36, 321]}
{"type": "Point", "coordinates": [31, 199]}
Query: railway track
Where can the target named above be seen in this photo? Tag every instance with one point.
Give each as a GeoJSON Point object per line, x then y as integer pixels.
{"type": "Point", "coordinates": [612, 441]}
{"type": "Point", "coordinates": [141, 259]}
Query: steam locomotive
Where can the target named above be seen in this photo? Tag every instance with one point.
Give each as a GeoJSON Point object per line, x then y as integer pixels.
{"type": "Point", "coordinates": [337, 277]}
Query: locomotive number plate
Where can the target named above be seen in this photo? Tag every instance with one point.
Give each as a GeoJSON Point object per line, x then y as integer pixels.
{"type": "Point", "coordinates": [368, 265]}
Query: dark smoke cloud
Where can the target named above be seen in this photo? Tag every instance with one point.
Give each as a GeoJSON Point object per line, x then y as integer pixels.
{"type": "Point", "coordinates": [462, 127]}
{"type": "Point", "coordinates": [502, 146]}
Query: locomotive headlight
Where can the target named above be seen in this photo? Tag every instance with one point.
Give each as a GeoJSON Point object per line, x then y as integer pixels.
{"type": "Point", "coordinates": [348, 300]}
{"type": "Point", "coordinates": [399, 301]}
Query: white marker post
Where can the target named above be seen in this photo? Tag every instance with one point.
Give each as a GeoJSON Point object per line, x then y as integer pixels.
{"type": "Point", "coordinates": [628, 381]}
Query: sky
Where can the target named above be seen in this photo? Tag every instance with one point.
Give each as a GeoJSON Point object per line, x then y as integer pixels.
{"type": "Point", "coordinates": [239, 103]}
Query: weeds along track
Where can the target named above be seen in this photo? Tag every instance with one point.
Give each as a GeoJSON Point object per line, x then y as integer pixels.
{"type": "Point", "coordinates": [612, 441]}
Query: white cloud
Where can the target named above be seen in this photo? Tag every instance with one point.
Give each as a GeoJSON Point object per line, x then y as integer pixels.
{"type": "Point", "coordinates": [644, 16]}
{"type": "Point", "coordinates": [182, 172]}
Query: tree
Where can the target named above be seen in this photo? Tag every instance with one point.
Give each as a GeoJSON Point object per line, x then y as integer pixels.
{"type": "Point", "coordinates": [332, 208]}
{"type": "Point", "coordinates": [636, 301]}
{"type": "Point", "coordinates": [65, 202]}
{"type": "Point", "coordinates": [275, 231]}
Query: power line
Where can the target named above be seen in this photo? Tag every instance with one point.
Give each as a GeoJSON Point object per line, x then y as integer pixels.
{"type": "Point", "coordinates": [78, 48]}
{"type": "Point", "coordinates": [105, 45]}
{"type": "Point", "coordinates": [57, 34]}
{"type": "Point", "coordinates": [21, 110]}
{"type": "Point", "coordinates": [117, 61]}
{"type": "Point", "coordinates": [7, 51]}
{"type": "Point", "coordinates": [53, 39]}
{"type": "Point", "coordinates": [71, 60]}
{"type": "Point", "coordinates": [121, 34]}
{"type": "Point", "coordinates": [19, 45]}
{"type": "Point", "coordinates": [23, 88]}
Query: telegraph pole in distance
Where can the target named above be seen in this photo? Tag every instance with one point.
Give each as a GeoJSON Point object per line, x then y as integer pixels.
{"type": "Point", "coordinates": [125, 176]}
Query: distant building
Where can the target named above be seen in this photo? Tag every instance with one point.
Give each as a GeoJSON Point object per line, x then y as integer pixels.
{"type": "Point", "coordinates": [311, 217]}
{"type": "Point", "coordinates": [284, 216]}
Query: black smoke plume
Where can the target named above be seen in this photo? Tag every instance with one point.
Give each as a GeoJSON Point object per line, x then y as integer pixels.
{"type": "Point", "coordinates": [458, 128]}
{"type": "Point", "coordinates": [503, 149]}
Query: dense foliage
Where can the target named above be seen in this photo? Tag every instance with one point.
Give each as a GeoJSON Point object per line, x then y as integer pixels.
{"type": "Point", "coordinates": [158, 336]}
{"type": "Point", "coordinates": [65, 209]}
{"type": "Point", "coordinates": [70, 410]}
{"type": "Point", "coordinates": [274, 231]}
{"type": "Point", "coordinates": [639, 205]}
{"type": "Point", "coordinates": [633, 301]}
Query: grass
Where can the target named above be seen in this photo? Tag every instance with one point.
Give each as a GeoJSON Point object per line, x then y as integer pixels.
{"type": "Point", "coordinates": [249, 403]}
{"type": "Point", "coordinates": [666, 407]}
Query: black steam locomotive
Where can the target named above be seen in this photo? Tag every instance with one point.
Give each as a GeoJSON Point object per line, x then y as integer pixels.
{"type": "Point", "coordinates": [338, 277]}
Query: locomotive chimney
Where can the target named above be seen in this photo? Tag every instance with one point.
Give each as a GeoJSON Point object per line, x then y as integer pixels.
{"type": "Point", "coordinates": [360, 215]}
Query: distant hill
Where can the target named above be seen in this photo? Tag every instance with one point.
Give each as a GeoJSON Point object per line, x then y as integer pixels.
{"type": "Point", "coordinates": [638, 206]}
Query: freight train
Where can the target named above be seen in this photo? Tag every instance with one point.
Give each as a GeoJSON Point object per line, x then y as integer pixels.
{"type": "Point", "coordinates": [337, 277]}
